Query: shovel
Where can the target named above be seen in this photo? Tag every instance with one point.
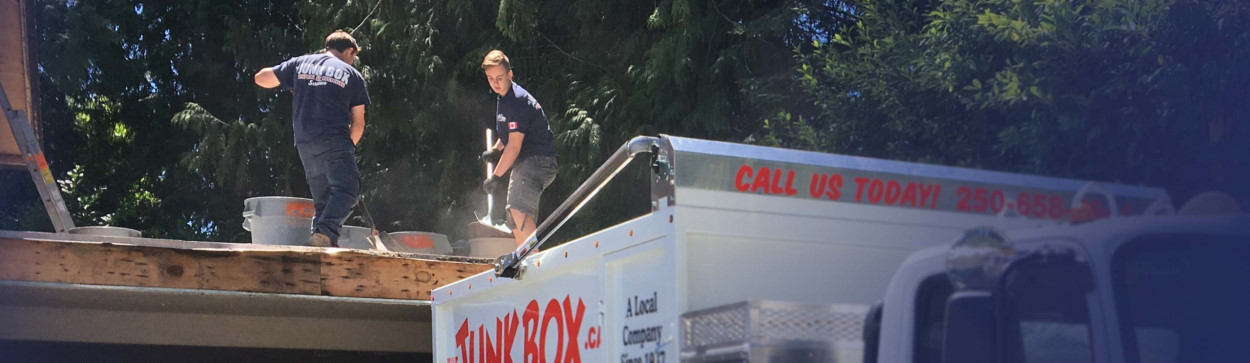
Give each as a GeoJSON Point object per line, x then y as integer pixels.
{"type": "Point", "coordinates": [484, 226]}
{"type": "Point", "coordinates": [490, 168]}
{"type": "Point", "coordinates": [379, 239]}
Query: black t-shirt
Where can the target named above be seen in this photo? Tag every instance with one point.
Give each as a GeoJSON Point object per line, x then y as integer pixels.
{"type": "Point", "coordinates": [517, 111]}
{"type": "Point", "coordinates": [326, 89]}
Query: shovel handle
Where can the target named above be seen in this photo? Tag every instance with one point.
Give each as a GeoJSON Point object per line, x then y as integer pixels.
{"type": "Point", "coordinates": [490, 168]}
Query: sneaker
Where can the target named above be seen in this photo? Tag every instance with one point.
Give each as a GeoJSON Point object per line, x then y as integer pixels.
{"type": "Point", "coordinates": [321, 240]}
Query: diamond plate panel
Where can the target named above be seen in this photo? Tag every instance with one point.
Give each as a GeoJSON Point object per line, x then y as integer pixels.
{"type": "Point", "coordinates": [769, 322]}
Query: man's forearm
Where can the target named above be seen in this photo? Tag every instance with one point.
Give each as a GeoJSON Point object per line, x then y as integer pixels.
{"type": "Point", "coordinates": [358, 123]}
{"type": "Point", "coordinates": [358, 130]}
{"type": "Point", "coordinates": [506, 160]}
{"type": "Point", "coordinates": [510, 152]}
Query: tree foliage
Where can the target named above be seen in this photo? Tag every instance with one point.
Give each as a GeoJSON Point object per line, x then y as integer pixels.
{"type": "Point", "coordinates": [152, 120]}
{"type": "Point", "coordinates": [1114, 90]}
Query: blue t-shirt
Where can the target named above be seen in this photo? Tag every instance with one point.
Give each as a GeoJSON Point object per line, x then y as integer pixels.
{"type": "Point", "coordinates": [517, 111]}
{"type": "Point", "coordinates": [326, 89]}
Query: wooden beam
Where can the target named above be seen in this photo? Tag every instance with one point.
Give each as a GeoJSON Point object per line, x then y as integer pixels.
{"type": "Point", "coordinates": [368, 275]}
{"type": "Point", "coordinates": [307, 271]}
{"type": "Point", "coordinates": [12, 161]}
{"type": "Point", "coordinates": [14, 67]}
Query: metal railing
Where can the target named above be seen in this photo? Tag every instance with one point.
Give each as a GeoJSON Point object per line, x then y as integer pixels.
{"type": "Point", "coordinates": [507, 265]}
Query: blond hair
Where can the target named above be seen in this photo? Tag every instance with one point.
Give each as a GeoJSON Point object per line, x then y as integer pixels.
{"type": "Point", "coordinates": [496, 58]}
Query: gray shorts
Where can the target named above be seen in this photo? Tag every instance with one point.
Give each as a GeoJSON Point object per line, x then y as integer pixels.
{"type": "Point", "coordinates": [530, 177]}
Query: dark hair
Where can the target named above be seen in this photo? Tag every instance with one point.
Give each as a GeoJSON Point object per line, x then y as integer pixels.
{"type": "Point", "coordinates": [340, 41]}
{"type": "Point", "coordinates": [496, 58]}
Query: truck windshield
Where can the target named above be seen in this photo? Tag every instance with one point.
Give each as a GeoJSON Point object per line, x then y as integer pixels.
{"type": "Point", "coordinates": [1183, 298]}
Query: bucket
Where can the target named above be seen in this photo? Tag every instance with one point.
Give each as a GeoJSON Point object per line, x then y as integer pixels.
{"type": "Point", "coordinates": [105, 231]}
{"type": "Point", "coordinates": [491, 247]}
{"type": "Point", "coordinates": [355, 237]}
{"type": "Point", "coordinates": [420, 242]}
{"type": "Point", "coordinates": [278, 220]}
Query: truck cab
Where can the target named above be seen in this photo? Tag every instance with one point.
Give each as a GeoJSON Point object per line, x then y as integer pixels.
{"type": "Point", "coordinates": [1158, 288]}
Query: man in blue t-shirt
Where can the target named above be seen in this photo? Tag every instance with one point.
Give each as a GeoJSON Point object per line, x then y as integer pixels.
{"type": "Point", "coordinates": [526, 142]}
{"type": "Point", "coordinates": [329, 118]}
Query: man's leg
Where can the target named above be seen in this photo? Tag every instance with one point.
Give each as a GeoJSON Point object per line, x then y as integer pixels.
{"type": "Point", "coordinates": [524, 226]}
{"type": "Point", "coordinates": [312, 157]}
{"type": "Point", "coordinates": [530, 178]}
{"type": "Point", "coordinates": [343, 178]}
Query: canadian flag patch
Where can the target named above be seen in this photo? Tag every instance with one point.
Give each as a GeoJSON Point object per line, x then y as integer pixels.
{"type": "Point", "coordinates": [512, 125]}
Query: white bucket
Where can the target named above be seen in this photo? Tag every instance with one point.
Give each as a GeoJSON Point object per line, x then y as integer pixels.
{"type": "Point", "coordinates": [355, 237]}
{"type": "Point", "coordinates": [278, 220]}
{"type": "Point", "coordinates": [491, 247]}
{"type": "Point", "coordinates": [105, 231]}
{"type": "Point", "coordinates": [420, 242]}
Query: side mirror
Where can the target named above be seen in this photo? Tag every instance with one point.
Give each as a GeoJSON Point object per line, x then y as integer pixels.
{"type": "Point", "coordinates": [969, 333]}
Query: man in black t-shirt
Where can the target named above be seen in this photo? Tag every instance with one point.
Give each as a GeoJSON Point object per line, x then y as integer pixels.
{"type": "Point", "coordinates": [527, 145]}
{"type": "Point", "coordinates": [329, 118]}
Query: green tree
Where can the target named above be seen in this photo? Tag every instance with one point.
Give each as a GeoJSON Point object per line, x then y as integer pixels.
{"type": "Point", "coordinates": [113, 74]}
{"type": "Point", "coordinates": [422, 129]}
{"type": "Point", "coordinates": [1115, 90]}
{"type": "Point", "coordinates": [618, 69]}
{"type": "Point", "coordinates": [152, 121]}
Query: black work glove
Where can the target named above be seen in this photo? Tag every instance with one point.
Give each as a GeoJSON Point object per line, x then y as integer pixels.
{"type": "Point", "coordinates": [490, 156]}
{"type": "Point", "coordinates": [491, 183]}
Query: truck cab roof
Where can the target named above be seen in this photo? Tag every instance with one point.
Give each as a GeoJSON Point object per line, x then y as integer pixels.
{"type": "Point", "coordinates": [1103, 236]}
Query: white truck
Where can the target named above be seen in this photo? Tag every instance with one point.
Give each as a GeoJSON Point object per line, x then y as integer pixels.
{"type": "Point", "coordinates": [749, 254]}
{"type": "Point", "coordinates": [1159, 288]}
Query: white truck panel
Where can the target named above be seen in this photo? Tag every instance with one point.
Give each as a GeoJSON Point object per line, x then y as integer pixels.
{"type": "Point", "coordinates": [616, 283]}
{"type": "Point", "coordinates": [641, 305]}
{"type": "Point", "coordinates": [758, 247]}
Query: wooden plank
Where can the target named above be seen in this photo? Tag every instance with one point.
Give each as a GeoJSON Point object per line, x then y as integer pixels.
{"type": "Point", "coordinates": [316, 272]}
{"type": "Point", "coordinates": [12, 161]}
{"type": "Point", "coordinates": [14, 67]}
{"type": "Point", "coordinates": [367, 275]}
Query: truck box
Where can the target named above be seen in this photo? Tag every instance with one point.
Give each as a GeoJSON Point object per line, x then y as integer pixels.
{"type": "Point", "coordinates": [732, 223]}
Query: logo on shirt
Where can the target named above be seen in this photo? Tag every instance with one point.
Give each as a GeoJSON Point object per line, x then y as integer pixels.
{"type": "Point", "coordinates": [512, 125]}
{"type": "Point", "coordinates": [318, 75]}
